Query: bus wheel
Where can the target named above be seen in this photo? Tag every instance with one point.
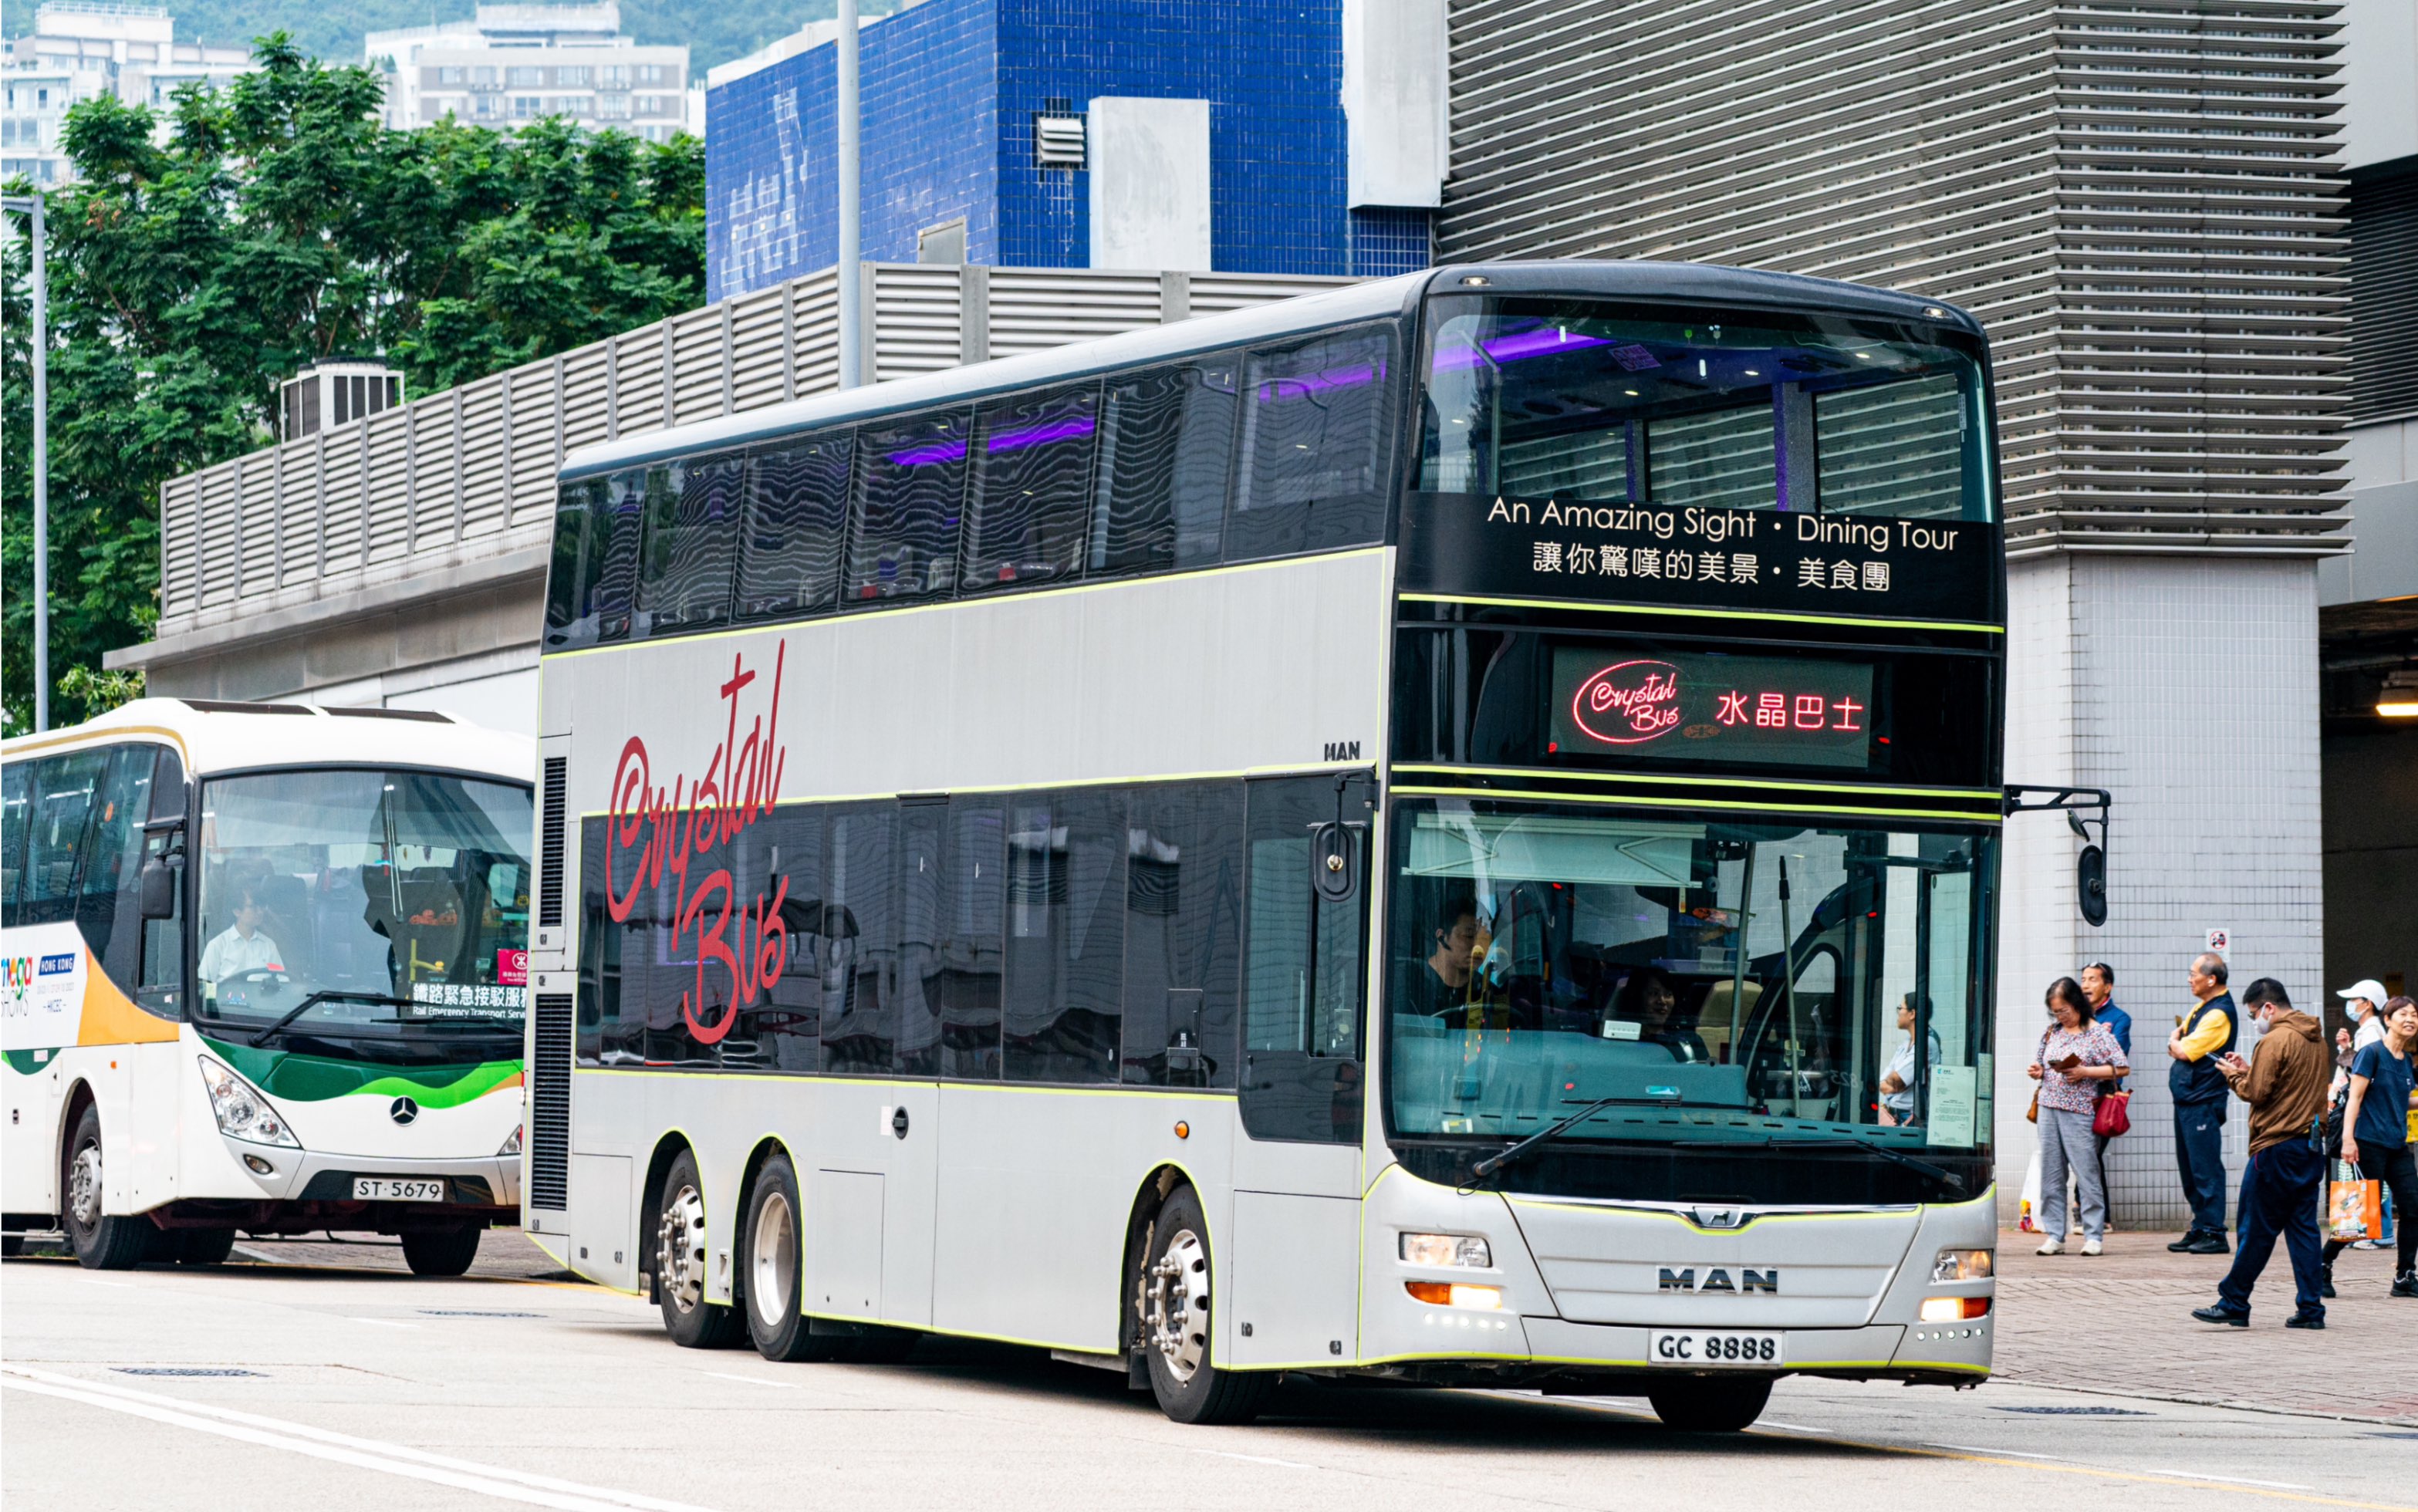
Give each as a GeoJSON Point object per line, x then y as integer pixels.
{"type": "Point", "coordinates": [680, 1263]}
{"type": "Point", "coordinates": [441, 1251]}
{"type": "Point", "coordinates": [1702, 1406]}
{"type": "Point", "coordinates": [1174, 1324]}
{"type": "Point", "coordinates": [769, 1259]}
{"type": "Point", "coordinates": [102, 1243]}
{"type": "Point", "coordinates": [203, 1246]}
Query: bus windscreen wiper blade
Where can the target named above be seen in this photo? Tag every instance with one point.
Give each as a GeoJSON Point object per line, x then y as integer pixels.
{"type": "Point", "coordinates": [1941, 1175]}
{"type": "Point", "coordinates": [1494, 1163]}
{"type": "Point", "coordinates": [262, 1037]}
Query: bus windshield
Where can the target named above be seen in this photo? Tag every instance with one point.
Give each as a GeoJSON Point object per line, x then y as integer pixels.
{"type": "Point", "coordinates": [1718, 981]}
{"type": "Point", "coordinates": [1572, 399]}
{"type": "Point", "coordinates": [335, 900]}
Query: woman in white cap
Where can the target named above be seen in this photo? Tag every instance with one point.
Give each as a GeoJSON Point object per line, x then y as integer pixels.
{"type": "Point", "coordinates": [2364, 1005]}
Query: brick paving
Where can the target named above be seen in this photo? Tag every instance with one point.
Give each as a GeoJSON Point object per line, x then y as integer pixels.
{"type": "Point", "coordinates": [2121, 1323]}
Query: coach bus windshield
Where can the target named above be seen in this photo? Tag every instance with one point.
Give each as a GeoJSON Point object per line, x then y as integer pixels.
{"type": "Point", "coordinates": [1570, 399]}
{"type": "Point", "coordinates": [1718, 981]}
{"type": "Point", "coordinates": [381, 900]}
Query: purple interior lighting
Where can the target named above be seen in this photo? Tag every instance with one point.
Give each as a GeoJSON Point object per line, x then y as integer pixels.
{"type": "Point", "coordinates": [1359, 375]}
{"type": "Point", "coordinates": [1041, 434]}
{"type": "Point", "coordinates": [932, 451]}
{"type": "Point", "coordinates": [1541, 341]}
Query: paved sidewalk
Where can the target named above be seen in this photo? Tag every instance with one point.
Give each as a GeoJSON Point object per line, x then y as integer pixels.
{"type": "Point", "coordinates": [2121, 1323]}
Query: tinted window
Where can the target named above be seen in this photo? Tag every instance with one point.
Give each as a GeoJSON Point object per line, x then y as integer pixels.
{"type": "Point", "coordinates": [1301, 976]}
{"type": "Point", "coordinates": [782, 1030]}
{"type": "Point", "coordinates": [1033, 477]}
{"type": "Point", "coordinates": [1167, 455]}
{"type": "Point", "coordinates": [16, 809]}
{"type": "Point", "coordinates": [1893, 448]}
{"type": "Point", "coordinates": [911, 480]}
{"type": "Point", "coordinates": [1184, 906]}
{"type": "Point", "coordinates": [1066, 949]}
{"type": "Point", "coordinates": [109, 904]}
{"type": "Point", "coordinates": [692, 539]}
{"type": "Point", "coordinates": [861, 918]}
{"type": "Point", "coordinates": [796, 518]}
{"type": "Point", "coordinates": [65, 790]}
{"type": "Point", "coordinates": [1316, 445]}
{"type": "Point", "coordinates": [971, 968]}
{"type": "Point", "coordinates": [593, 581]}
{"type": "Point", "coordinates": [922, 872]}
{"type": "Point", "coordinates": [1721, 459]}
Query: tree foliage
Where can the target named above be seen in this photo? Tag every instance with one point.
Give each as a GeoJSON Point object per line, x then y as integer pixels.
{"type": "Point", "coordinates": [205, 257]}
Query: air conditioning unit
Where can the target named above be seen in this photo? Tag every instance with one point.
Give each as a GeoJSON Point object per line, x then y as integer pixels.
{"type": "Point", "coordinates": [328, 395]}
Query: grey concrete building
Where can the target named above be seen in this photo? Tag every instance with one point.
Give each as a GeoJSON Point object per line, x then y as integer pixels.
{"type": "Point", "coordinates": [2145, 203]}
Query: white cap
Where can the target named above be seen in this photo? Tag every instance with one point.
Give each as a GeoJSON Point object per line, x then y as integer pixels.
{"type": "Point", "coordinates": [2371, 989]}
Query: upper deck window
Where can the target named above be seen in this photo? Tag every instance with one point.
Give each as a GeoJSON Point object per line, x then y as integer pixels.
{"type": "Point", "coordinates": [1545, 398]}
{"type": "Point", "coordinates": [1316, 445]}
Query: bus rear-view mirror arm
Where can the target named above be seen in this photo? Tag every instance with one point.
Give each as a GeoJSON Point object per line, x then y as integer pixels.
{"type": "Point", "coordinates": [2091, 867]}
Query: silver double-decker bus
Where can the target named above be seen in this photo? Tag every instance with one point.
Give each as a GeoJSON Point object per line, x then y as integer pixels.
{"type": "Point", "coordinates": [1442, 830]}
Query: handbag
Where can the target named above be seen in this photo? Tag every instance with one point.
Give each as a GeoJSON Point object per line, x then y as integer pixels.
{"type": "Point", "coordinates": [2355, 1207]}
{"type": "Point", "coordinates": [2112, 1118]}
{"type": "Point", "coordinates": [2032, 1114]}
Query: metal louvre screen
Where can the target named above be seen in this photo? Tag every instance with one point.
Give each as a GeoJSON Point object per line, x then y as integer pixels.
{"type": "Point", "coordinates": [1890, 449]}
{"type": "Point", "coordinates": [549, 1179]}
{"type": "Point", "coordinates": [1721, 460]}
{"type": "Point", "coordinates": [2384, 291]}
{"type": "Point", "coordinates": [549, 863]}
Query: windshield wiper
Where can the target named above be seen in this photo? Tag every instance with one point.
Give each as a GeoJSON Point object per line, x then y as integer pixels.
{"type": "Point", "coordinates": [261, 1037]}
{"type": "Point", "coordinates": [1494, 1163]}
{"type": "Point", "coordinates": [1941, 1175]}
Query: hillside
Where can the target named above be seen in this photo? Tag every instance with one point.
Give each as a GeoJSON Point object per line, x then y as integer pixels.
{"type": "Point", "coordinates": [714, 32]}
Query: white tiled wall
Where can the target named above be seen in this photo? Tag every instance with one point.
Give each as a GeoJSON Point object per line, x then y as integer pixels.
{"type": "Point", "coordinates": [2187, 687]}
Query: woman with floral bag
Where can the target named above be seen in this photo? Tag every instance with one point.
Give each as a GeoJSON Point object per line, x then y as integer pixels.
{"type": "Point", "coordinates": [2075, 1062]}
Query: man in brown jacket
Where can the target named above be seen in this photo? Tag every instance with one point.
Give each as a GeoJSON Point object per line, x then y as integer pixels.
{"type": "Point", "coordinates": [2284, 1084]}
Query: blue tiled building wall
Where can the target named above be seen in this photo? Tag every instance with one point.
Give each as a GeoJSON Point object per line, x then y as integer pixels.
{"type": "Point", "coordinates": [949, 90]}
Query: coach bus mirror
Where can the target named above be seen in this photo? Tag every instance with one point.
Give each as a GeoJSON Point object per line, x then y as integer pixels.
{"type": "Point", "coordinates": [2091, 885]}
{"type": "Point", "coordinates": [1334, 872]}
{"type": "Point", "coordinates": [159, 884]}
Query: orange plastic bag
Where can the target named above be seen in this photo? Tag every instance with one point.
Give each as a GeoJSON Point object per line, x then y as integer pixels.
{"type": "Point", "coordinates": [2354, 1209]}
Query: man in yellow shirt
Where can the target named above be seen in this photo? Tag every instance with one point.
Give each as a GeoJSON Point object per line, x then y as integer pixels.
{"type": "Point", "coordinates": [2201, 1040]}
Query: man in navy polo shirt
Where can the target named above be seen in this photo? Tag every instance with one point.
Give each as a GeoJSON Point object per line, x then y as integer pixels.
{"type": "Point", "coordinates": [2098, 986]}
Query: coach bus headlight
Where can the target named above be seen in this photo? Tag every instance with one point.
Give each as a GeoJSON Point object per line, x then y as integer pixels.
{"type": "Point", "coordinates": [1455, 1295]}
{"type": "Point", "coordinates": [512, 1145]}
{"type": "Point", "coordinates": [1963, 1265]}
{"type": "Point", "coordinates": [242, 1112]}
{"type": "Point", "coordinates": [1954, 1310]}
{"type": "Point", "coordinates": [1467, 1251]}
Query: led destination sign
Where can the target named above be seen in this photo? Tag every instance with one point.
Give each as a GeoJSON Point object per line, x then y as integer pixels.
{"type": "Point", "coordinates": [1679, 707]}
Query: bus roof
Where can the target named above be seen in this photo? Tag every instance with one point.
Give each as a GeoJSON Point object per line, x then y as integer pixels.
{"type": "Point", "coordinates": [1636, 279]}
{"type": "Point", "coordinates": [227, 737]}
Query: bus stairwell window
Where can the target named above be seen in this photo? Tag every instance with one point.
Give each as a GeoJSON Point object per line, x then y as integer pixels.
{"type": "Point", "coordinates": [911, 480]}
{"type": "Point", "coordinates": [1065, 936]}
{"type": "Point", "coordinates": [796, 518]}
{"type": "Point", "coordinates": [692, 539]}
{"type": "Point", "coordinates": [1032, 475]}
{"type": "Point", "coordinates": [1316, 445]}
{"type": "Point", "coordinates": [1167, 458]}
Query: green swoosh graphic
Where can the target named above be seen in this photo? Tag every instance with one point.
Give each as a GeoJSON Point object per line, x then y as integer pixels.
{"type": "Point", "coordinates": [311, 1078]}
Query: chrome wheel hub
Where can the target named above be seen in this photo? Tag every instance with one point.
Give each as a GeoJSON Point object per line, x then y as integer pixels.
{"type": "Point", "coordinates": [680, 1249]}
{"type": "Point", "coordinates": [1175, 1304]}
{"type": "Point", "coordinates": [772, 1261]}
{"type": "Point", "coordinates": [84, 1186]}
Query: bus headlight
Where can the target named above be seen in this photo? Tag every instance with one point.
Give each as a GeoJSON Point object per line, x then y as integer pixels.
{"type": "Point", "coordinates": [1465, 1250]}
{"type": "Point", "coordinates": [242, 1112]}
{"type": "Point", "coordinates": [1963, 1265]}
{"type": "Point", "coordinates": [512, 1145]}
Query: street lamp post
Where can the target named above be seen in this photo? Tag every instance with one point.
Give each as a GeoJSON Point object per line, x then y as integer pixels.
{"type": "Point", "coordinates": [851, 281]}
{"type": "Point", "coordinates": [32, 205]}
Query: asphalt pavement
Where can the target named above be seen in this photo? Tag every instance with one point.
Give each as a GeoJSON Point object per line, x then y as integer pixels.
{"type": "Point", "coordinates": [301, 1376]}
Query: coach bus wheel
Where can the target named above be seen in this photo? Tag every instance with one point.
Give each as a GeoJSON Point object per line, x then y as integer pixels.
{"type": "Point", "coordinates": [102, 1243]}
{"type": "Point", "coordinates": [680, 1263]}
{"type": "Point", "coordinates": [203, 1246]}
{"type": "Point", "coordinates": [1175, 1323]}
{"type": "Point", "coordinates": [769, 1259]}
{"type": "Point", "coordinates": [441, 1251]}
{"type": "Point", "coordinates": [1703, 1406]}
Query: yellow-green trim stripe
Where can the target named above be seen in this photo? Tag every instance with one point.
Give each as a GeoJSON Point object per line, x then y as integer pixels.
{"type": "Point", "coordinates": [1987, 795]}
{"type": "Point", "coordinates": [1665, 800]}
{"type": "Point", "coordinates": [1971, 628]}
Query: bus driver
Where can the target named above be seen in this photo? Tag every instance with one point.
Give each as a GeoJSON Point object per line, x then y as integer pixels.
{"type": "Point", "coordinates": [241, 947]}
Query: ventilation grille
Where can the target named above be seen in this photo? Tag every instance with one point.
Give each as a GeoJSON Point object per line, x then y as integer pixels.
{"type": "Point", "coordinates": [1057, 141]}
{"type": "Point", "coordinates": [549, 845]}
{"type": "Point", "coordinates": [2384, 291]}
{"type": "Point", "coordinates": [549, 1184]}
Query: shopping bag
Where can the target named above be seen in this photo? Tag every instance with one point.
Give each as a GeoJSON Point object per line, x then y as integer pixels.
{"type": "Point", "coordinates": [2355, 1207]}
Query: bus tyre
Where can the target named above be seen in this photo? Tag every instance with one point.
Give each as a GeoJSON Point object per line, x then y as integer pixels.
{"type": "Point", "coordinates": [441, 1251]}
{"type": "Point", "coordinates": [203, 1246]}
{"type": "Point", "coordinates": [102, 1243]}
{"type": "Point", "coordinates": [1709, 1405]}
{"type": "Point", "coordinates": [1173, 1324]}
{"type": "Point", "coordinates": [693, 1323]}
{"type": "Point", "coordinates": [769, 1260]}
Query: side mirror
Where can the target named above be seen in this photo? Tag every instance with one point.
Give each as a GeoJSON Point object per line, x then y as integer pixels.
{"type": "Point", "coordinates": [1333, 858]}
{"type": "Point", "coordinates": [2091, 885]}
{"type": "Point", "coordinates": [160, 875]}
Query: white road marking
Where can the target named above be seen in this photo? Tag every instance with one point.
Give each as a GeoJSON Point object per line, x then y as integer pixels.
{"type": "Point", "coordinates": [367, 1454]}
{"type": "Point", "coordinates": [753, 1381]}
{"type": "Point", "coordinates": [381, 1323]}
{"type": "Point", "coordinates": [1257, 1459]}
{"type": "Point", "coordinates": [1975, 1448]}
{"type": "Point", "coordinates": [2225, 1480]}
{"type": "Point", "coordinates": [117, 1286]}
{"type": "Point", "coordinates": [1793, 1428]}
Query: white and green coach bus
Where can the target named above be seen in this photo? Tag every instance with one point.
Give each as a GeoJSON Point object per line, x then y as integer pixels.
{"type": "Point", "coordinates": [267, 969]}
{"type": "Point", "coordinates": [1413, 832]}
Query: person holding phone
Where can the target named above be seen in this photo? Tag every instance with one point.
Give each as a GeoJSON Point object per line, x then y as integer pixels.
{"type": "Point", "coordinates": [2284, 1084]}
{"type": "Point", "coordinates": [2076, 1060]}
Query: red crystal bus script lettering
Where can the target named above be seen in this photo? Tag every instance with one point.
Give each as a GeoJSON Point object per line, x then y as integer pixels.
{"type": "Point", "coordinates": [654, 833]}
{"type": "Point", "coordinates": [1628, 704]}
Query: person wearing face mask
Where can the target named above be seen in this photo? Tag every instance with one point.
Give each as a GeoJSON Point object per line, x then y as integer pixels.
{"type": "Point", "coordinates": [2201, 1038]}
{"type": "Point", "coordinates": [2284, 1084]}
{"type": "Point", "coordinates": [2376, 1135]}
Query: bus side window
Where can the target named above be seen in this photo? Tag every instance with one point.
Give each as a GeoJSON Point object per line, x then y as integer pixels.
{"type": "Point", "coordinates": [910, 484]}
{"type": "Point", "coordinates": [64, 790]}
{"type": "Point", "coordinates": [1302, 976]}
{"type": "Point", "coordinates": [861, 919]}
{"type": "Point", "coordinates": [692, 541]}
{"type": "Point", "coordinates": [1065, 935]}
{"type": "Point", "coordinates": [109, 902]}
{"type": "Point", "coordinates": [796, 520]}
{"type": "Point", "coordinates": [1184, 906]}
{"type": "Point", "coordinates": [974, 968]}
{"type": "Point", "coordinates": [16, 816]}
{"type": "Point", "coordinates": [783, 1029]}
{"type": "Point", "coordinates": [1167, 460]}
{"type": "Point", "coordinates": [1032, 475]}
{"type": "Point", "coordinates": [594, 571]}
{"type": "Point", "coordinates": [1318, 453]}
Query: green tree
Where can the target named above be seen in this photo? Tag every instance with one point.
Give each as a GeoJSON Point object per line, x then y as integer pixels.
{"type": "Point", "coordinates": [202, 259]}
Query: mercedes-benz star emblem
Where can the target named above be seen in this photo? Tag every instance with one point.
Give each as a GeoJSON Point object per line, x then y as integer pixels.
{"type": "Point", "coordinates": [404, 1110]}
